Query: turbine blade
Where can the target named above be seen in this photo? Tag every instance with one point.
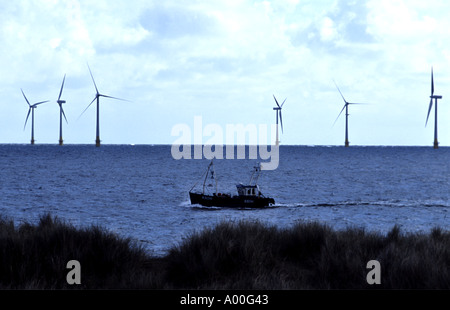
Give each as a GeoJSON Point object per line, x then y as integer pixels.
{"type": "Point", "coordinates": [276, 100]}
{"type": "Point", "coordinates": [283, 103]}
{"type": "Point", "coordinates": [356, 103]}
{"type": "Point", "coordinates": [93, 78]}
{"type": "Point", "coordinates": [340, 114]}
{"type": "Point", "coordinates": [26, 120]}
{"type": "Point", "coordinates": [60, 92]}
{"type": "Point", "coordinates": [340, 92]}
{"type": "Point", "coordinates": [432, 82]}
{"type": "Point", "coordinates": [36, 104]}
{"type": "Point", "coordinates": [429, 110]}
{"type": "Point", "coordinates": [25, 97]}
{"type": "Point", "coordinates": [62, 110]}
{"type": "Point", "coordinates": [112, 97]}
{"type": "Point", "coordinates": [87, 107]}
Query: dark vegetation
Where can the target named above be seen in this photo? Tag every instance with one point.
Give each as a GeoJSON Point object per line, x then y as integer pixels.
{"type": "Point", "coordinates": [234, 255]}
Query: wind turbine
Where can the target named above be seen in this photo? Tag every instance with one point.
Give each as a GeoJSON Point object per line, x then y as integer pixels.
{"type": "Point", "coordinates": [61, 111]}
{"type": "Point", "coordinates": [97, 98]}
{"type": "Point", "coordinates": [31, 109]}
{"type": "Point", "coordinates": [346, 104]}
{"type": "Point", "coordinates": [278, 112]}
{"type": "Point", "coordinates": [435, 97]}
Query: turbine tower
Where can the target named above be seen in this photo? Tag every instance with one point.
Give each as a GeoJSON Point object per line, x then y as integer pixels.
{"type": "Point", "coordinates": [278, 112]}
{"type": "Point", "coordinates": [346, 104]}
{"type": "Point", "coordinates": [97, 98]}
{"type": "Point", "coordinates": [435, 97]}
{"type": "Point", "coordinates": [31, 109]}
{"type": "Point", "coordinates": [61, 111]}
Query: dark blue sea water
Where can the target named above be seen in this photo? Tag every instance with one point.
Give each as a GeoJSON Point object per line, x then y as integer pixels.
{"type": "Point", "coordinates": [142, 192]}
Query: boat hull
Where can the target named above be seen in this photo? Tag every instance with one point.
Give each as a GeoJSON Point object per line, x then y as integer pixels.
{"type": "Point", "coordinates": [230, 201]}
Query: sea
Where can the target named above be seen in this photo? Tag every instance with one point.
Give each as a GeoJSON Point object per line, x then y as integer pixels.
{"type": "Point", "coordinates": [141, 191]}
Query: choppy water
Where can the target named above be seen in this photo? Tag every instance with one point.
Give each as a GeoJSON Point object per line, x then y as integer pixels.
{"type": "Point", "coordinates": [142, 192]}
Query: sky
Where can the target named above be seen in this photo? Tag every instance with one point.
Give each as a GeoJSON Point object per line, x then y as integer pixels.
{"type": "Point", "coordinates": [223, 61]}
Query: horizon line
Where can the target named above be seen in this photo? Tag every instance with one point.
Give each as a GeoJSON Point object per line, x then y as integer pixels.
{"type": "Point", "coordinates": [224, 145]}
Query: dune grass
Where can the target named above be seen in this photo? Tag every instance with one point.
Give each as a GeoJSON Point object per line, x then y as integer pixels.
{"type": "Point", "coordinates": [308, 256]}
{"type": "Point", "coordinates": [35, 256]}
{"type": "Point", "coordinates": [231, 255]}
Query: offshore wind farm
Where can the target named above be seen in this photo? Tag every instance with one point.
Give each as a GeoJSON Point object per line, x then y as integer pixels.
{"type": "Point", "coordinates": [277, 109]}
{"type": "Point", "coordinates": [62, 115]}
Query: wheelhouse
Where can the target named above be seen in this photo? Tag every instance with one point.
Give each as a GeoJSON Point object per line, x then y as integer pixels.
{"type": "Point", "coordinates": [247, 190]}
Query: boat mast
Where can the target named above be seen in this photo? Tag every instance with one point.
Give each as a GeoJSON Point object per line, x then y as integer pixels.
{"type": "Point", "coordinates": [213, 175]}
{"type": "Point", "coordinates": [206, 176]}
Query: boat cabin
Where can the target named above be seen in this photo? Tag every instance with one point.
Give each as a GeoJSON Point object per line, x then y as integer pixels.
{"type": "Point", "coordinates": [247, 190]}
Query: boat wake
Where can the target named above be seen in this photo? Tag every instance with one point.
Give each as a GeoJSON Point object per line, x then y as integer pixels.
{"type": "Point", "coordinates": [381, 203]}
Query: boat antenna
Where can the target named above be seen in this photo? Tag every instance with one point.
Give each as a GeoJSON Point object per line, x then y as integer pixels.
{"type": "Point", "coordinates": [257, 169]}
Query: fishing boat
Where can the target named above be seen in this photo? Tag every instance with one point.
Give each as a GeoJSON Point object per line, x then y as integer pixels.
{"type": "Point", "coordinates": [248, 196]}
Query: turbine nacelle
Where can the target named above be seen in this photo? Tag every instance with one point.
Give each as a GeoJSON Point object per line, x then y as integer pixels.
{"type": "Point", "coordinates": [346, 104]}
{"type": "Point", "coordinates": [436, 97]}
